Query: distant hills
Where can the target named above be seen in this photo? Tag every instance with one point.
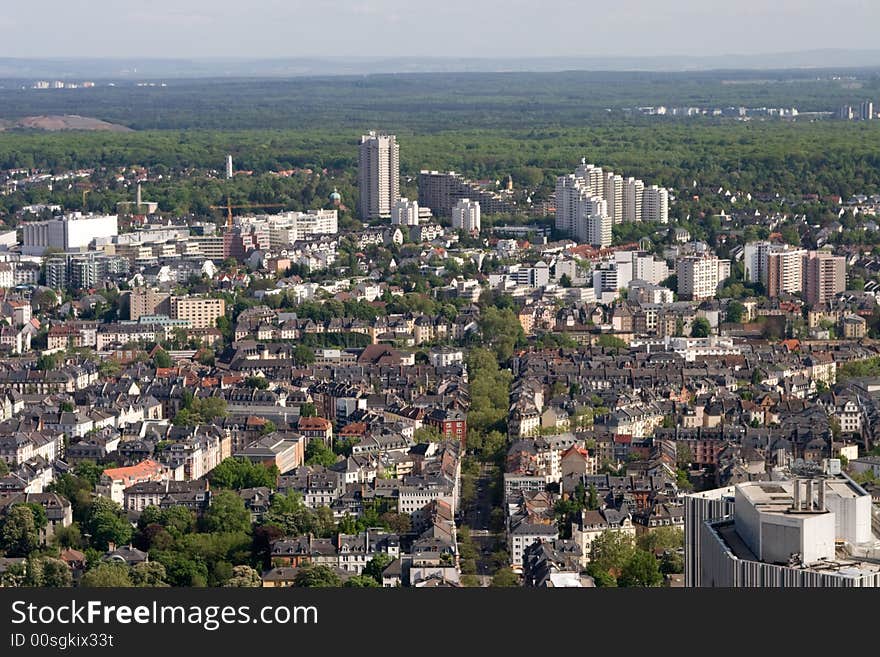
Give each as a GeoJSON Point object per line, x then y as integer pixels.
{"type": "Point", "coordinates": [143, 69]}
{"type": "Point", "coordinates": [66, 122]}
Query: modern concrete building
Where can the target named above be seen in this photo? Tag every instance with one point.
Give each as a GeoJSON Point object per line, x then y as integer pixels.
{"type": "Point", "coordinates": [440, 191]}
{"type": "Point", "coordinates": [700, 276]}
{"type": "Point", "coordinates": [72, 232]}
{"type": "Point", "coordinates": [145, 301]}
{"type": "Point", "coordinates": [613, 195]}
{"type": "Point", "coordinates": [778, 267]}
{"type": "Point", "coordinates": [655, 204]}
{"type": "Point", "coordinates": [824, 275]}
{"type": "Point", "coordinates": [378, 175]}
{"type": "Point", "coordinates": [809, 530]}
{"type": "Point", "coordinates": [633, 191]}
{"type": "Point", "coordinates": [200, 312]}
{"type": "Point", "coordinates": [466, 216]}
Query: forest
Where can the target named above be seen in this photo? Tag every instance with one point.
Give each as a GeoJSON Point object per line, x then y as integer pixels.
{"type": "Point", "coordinates": [531, 127]}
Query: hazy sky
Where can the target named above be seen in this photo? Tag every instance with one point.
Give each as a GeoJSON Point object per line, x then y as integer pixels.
{"type": "Point", "coordinates": [458, 28]}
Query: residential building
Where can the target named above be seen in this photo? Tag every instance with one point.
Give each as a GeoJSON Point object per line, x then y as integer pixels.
{"type": "Point", "coordinates": [700, 276]}
{"type": "Point", "coordinates": [466, 216]}
{"type": "Point", "coordinates": [378, 175]}
{"type": "Point", "coordinates": [655, 204]}
{"type": "Point", "coordinates": [405, 213]}
{"type": "Point", "coordinates": [441, 191]}
{"type": "Point", "coordinates": [824, 276]}
{"type": "Point", "coordinates": [200, 312]}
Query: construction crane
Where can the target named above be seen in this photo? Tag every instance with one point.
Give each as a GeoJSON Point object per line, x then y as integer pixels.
{"type": "Point", "coordinates": [229, 208]}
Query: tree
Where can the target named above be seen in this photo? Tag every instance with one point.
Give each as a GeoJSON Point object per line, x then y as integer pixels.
{"type": "Point", "coordinates": [107, 575]}
{"type": "Point", "coordinates": [641, 570]}
{"type": "Point", "coordinates": [376, 565]}
{"type": "Point", "coordinates": [238, 473]}
{"type": "Point", "coordinates": [201, 411]}
{"type": "Point", "coordinates": [90, 471]}
{"type": "Point", "coordinates": [683, 455]}
{"type": "Point", "coordinates": [49, 572]}
{"type": "Point", "coordinates": [505, 577]}
{"type": "Point", "coordinates": [107, 524]}
{"type": "Point", "coordinates": [19, 535]}
{"type": "Point", "coordinates": [361, 582]}
{"type": "Point", "coordinates": [320, 576]}
{"type": "Point", "coordinates": [610, 341]}
{"type": "Point", "coordinates": [602, 578]}
{"type": "Point", "coordinates": [701, 328]}
{"type": "Point", "coordinates": [258, 382]}
{"type": "Point", "coordinates": [399, 523]}
{"type": "Point", "coordinates": [303, 355]}
{"type": "Point", "coordinates": [611, 550]}
{"type": "Point", "coordinates": [427, 433]}
{"type": "Point", "coordinates": [47, 362]}
{"type": "Point", "coordinates": [161, 358]}
{"type": "Point", "coordinates": [308, 410]}
{"type": "Point", "coordinates": [317, 453]}
{"type": "Point", "coordinates": [290, 514]}
{"type": "Point", "coordinates": [68, 537]}
{"type": "Point", "coordinates": [592, 499]}
{"type": "Point", "coordinates": [244, 577]}
{"type": "Point", "coordinates": [565, 280]}
{"type": "Point", "coordinates": [4, 469]}
{"type": "Point", "coordinates": [661, 538]}
{"type": "Point", "coordinates": [148, 574]}
{"type": "Point", "coordinates": [227, 513]}
{"type": "Point", "coordinates": [735, 312]}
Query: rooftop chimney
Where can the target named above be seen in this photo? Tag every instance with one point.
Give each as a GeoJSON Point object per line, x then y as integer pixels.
{"type": "Point", "coordinates": [796, 494]}
{"type": "Point", "coordinates": [821, 505]}
{"type": "Point", "coordinates": [808, 501]}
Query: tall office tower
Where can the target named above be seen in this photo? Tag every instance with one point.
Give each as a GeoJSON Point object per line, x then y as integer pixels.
{"type": "Point", "coordinates": [229, 171]}
{"type": "Point", "coordinates": [866, 111]}
{"type": "Point", "coordinates": [614, 196]}
{"type": "Point", "coordinates": [405, 213]}
{"type": "Point", "coordinates": [378, 175]}
{"type": "Point", "coordinates": [824, 276]}
{"type": "Point", "coordinates": [466, 216]}
{"type": "Point", "coordinates": [655, 204]}
{"type": "Point", "coordinates": [632, 199]}
{"type": "Point", "coordinates": [846, 113]}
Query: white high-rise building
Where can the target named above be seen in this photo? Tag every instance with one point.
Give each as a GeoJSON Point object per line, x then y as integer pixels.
{"type": "Point", "coordinates": [378, 175]}
{"type": "Point", "coordinates": [633, 191]}
{"type": "Point", "coordinates": [229, 171]}
{"type": "Point", "coordinates": [466, 216]}
{"type": "Point", "coordinates": [405, 213]}
{"type": "Point", "coordinates": [614, 196]}
{"type": "Point", "coordinates": [593, 223]}
{"type": "Point", "coordinates": [699, 276]}
{"type": "Point", "coordinates": [647, 268]}
{"type": "Point", "coordinates": [655, 204]}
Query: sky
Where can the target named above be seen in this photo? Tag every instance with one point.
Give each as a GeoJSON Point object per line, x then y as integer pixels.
{"type": "Point", "coordinates": [434, 28]}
